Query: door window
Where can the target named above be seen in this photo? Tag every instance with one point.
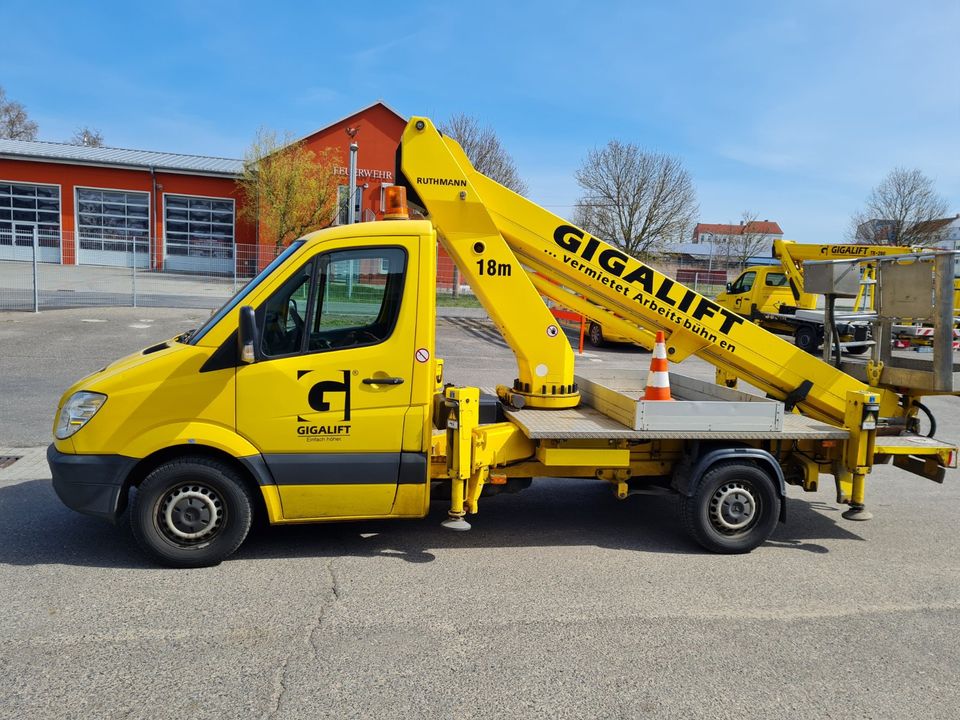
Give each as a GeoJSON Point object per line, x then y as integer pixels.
{"type": "Point", "coordinates": [743, 283]}
{"type": "Point", "coordinates": [284, 315]}
{"type": "Point", "coordinates": [358, 298]}
{"type": "Point", "coordinates": [354, 301]}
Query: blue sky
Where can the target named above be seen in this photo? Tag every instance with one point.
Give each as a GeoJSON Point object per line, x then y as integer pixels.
{"type": "Point", "coordinates": [792, 110]}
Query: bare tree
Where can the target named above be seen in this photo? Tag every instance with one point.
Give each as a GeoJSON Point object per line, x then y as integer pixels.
{"type": "Point", "coordinates": [288, 189]}
{"type": "Point", "coordinates": [485, 151]}
{"type": "Point", "coordinates": [88, 137]}
{"type": "Point", "coordinates": [14, 122]}
{"type": "Point", "coordinates": [636, 199]}
{"type": "Point", "coordinates": [899, 211]}
{"type": "Point", "coordinates": [752, 239]}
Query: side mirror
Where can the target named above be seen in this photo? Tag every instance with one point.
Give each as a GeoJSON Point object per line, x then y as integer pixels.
{"type": "Point", "coordinates": [247, 335]}
{"type": "Point", "coordinates": [729, 287]}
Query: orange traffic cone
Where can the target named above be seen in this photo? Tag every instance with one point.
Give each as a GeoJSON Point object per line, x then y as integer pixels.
{"type": "Point", "coordinates": [658, 379]}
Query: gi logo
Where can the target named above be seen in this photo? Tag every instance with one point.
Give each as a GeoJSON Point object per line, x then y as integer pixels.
{"type": "Point", "coordinates": [319, 398]}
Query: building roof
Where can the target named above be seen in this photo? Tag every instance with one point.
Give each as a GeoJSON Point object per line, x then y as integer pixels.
{"type": "Point", "coordinates": [347, 117]}
{"type": "Point", "coordinates": [143, 159]}
{"type": "Point", "coordinates": [932, 226]}
{"type": "Point", "coordinates": [761, 227]}
{"type": "Point", "coordinates": [119, 157]}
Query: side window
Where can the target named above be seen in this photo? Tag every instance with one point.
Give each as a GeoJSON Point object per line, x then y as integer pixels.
{"type": "Point", "coordinates": [776, 279]}
{"type": "Point", "coordinates": [743, 283]}
{"type": "Point", "coordinates": [284, 317]}
{"type": "Point", "coordinates": [358, 298]}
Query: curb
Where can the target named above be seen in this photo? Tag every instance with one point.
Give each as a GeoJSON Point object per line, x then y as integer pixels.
{"type": "Point", "coordinates": [31, 464]}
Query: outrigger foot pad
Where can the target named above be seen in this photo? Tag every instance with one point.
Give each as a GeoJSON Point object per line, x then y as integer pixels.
{"type": "Point", "coordinates": [856, 512]}
{"type": "Point", "coordinates": [455, 523]}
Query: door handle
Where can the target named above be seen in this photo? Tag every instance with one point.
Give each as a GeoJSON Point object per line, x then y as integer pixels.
{"type": "Point", "coordinates": [383, 381]}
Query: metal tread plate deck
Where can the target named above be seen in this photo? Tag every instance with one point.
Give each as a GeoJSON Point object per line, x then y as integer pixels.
{"type": "Point", "coordinates": [908, 441]}
{"type": "Point", "coordinates": [585, 423]}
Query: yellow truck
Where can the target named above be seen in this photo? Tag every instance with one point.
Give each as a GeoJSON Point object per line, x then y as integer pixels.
{"type": "Point", "coordinates": [773, 296]}
{"type": "Point", "coordinates": [315, 394]}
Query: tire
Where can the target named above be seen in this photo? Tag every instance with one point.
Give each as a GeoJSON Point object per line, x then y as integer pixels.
{"type": "Point", "coordinates": [734, 509]}
{"type": "Point", "coordinates": [807, 338]}
{"type": "Point", "coordinates": [191, 512]}
{"type": "Point", "coordinates": [595, 335]}
{"type": "Point", "coordinates": [858, 350]}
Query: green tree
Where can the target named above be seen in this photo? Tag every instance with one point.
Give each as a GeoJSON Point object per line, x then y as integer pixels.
{"type": "Point", "coordinates": [289, 189]}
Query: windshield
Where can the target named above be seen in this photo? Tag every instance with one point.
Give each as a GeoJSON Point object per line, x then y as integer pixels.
{"type": "Point", "coordinates": [194, 338]}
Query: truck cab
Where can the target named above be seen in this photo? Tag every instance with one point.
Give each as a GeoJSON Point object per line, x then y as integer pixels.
{"type": "Point", "coordinates": [756, 291]}
{"type": "Point", "coordinates": [324, 362]}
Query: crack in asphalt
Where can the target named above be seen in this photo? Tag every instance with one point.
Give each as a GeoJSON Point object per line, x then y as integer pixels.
{"type": "Point", "coordinates": [309, 634]}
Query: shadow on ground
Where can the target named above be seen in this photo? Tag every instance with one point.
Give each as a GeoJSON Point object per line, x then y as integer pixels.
{"type": "Point", "coordinates": [37, 529]}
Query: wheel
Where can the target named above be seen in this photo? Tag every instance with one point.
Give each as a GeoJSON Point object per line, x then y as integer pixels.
{"type": "Point", "coordinates": [734, 509]}
{"type": "Point", "coordinates": [807, 338]}
{"type": "Point", "coordinates": [595, 333]}
{"type": "Point", "coordinates": [191, 512]}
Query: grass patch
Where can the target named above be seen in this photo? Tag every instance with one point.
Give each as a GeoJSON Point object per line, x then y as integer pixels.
{"type": "Point", "coordinates": [464, 301]}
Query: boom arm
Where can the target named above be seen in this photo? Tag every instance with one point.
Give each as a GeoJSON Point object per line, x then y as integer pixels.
{"type": "Point", "coordinates": [792, 255]}
{"type": "Point", "coordinates": [490, 231]}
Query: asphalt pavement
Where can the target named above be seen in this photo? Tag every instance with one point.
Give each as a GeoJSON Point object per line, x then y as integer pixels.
{"type": "Point", "coordinates": [561, 602]}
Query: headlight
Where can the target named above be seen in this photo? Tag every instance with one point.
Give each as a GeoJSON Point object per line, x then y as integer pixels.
{"type": "Point", "coordinates": [77, 411]}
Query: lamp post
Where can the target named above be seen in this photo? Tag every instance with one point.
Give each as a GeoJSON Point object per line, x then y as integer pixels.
{"type": "Point", "coordinates": [352, 176]}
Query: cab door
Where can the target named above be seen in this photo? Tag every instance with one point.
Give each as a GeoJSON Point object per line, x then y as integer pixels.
{"type": "Point", "coordinates": [326, 399]}
{"type": "Point", "coordinates": [739, 294]}
{"type": "Point", "coordinates": [773, 290]}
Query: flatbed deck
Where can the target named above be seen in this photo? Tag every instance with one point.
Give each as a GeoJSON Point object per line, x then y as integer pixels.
{"type": "Point", "coordinates": [586, 423]}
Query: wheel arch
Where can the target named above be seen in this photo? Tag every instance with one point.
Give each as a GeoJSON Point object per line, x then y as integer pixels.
{"type": "Point", "coordinates": [686, 483]}
{"type": "Point", "coordinates": [251, 470]}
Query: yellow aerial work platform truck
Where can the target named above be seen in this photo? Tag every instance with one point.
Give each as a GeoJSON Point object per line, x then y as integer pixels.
{"type": "Point", "coordinates": [315, 394]}
{"type": "Point", "coordinates": [774, 296]}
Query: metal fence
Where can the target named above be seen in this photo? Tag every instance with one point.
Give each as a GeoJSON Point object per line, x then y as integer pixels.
{"type": "Point", "coordinates": [40, 273]}
{"type": "Point", "coordinates": [42, 269]}
{"type": "Point", "coordinates": [48, 270]}
{"type": "Point", "coordinates": [705, 283]}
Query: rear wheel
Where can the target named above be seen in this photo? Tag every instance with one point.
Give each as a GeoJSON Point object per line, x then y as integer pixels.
{"type": "Point", "coordinates": [807, 338]}
{"type": "Point", "coordinates": [191, 512]}
{"type": "Point", "coordinates": [596, 335]}
{"type": "Point", "coordinates": [734, 508]}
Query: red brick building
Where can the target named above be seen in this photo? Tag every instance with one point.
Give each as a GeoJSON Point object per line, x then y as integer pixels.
{"type": "Point", "coordinates": [166, 211]}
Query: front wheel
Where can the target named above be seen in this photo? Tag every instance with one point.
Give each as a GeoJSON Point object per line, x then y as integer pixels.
{"type": "Point", "coordinates": [191, 512]}
{"type": "Point", "coordinates": [734, 508]}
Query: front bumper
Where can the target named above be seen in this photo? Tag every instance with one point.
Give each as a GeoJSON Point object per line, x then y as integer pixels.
{"type": "Point", "coordinates": [90, 484]}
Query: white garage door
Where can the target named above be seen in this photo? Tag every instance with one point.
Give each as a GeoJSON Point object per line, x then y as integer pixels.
{"type": "Point", "coordinates": [113, 227]}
